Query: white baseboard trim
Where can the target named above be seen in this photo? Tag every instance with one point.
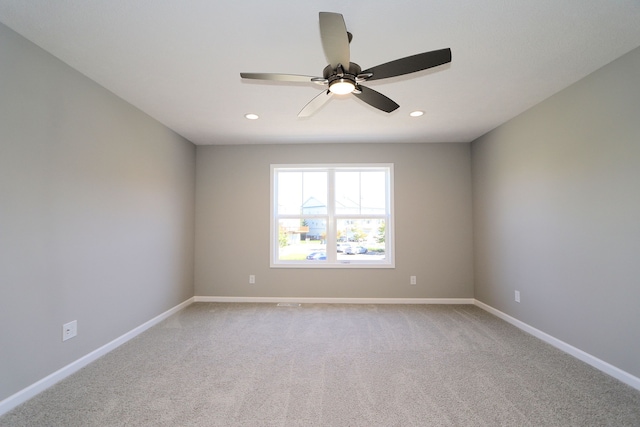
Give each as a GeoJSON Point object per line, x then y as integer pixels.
{"type": "Point", "coordinates": [599, 364]}
{"type": "Point", "coordinates": [27, 393]}
{"type": "Point", "coordinates": [314, 300]}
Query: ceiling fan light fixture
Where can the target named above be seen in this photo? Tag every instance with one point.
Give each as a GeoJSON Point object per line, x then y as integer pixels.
{"type": "Point", "coordinates": [416, 113]}
{"type": "Point", "coordinates": [251, 116]}
{"type": "Point", "coordinates": [341, 86]}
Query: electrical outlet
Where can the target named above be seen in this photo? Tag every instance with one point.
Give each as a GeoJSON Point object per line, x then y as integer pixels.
{"type": "Point", "coordinates": [517, 296]}
{"type": "Point", "coordinates": [69, 330]}
{"type": "Point", "coordinates": [412, 280]}
{"type": "Point", "coordinates": [252, 279]}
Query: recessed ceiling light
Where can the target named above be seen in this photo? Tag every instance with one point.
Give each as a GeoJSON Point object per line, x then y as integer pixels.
{"type": "Point", "coordinates": [251, 116]}
{"type": "Point", "coordinates": [416, 113]}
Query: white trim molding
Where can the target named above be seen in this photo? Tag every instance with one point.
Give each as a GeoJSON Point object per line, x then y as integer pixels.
{"type": "Point", "coordinates": [599, 364]}
{"type": "Point", "coordinates": [321, 300]}
{"type": "Point", "coordinates": [27, 393]}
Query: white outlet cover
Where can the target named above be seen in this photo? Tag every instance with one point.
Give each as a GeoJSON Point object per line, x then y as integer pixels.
{"type": "Point", "coordinates": [69, 330]}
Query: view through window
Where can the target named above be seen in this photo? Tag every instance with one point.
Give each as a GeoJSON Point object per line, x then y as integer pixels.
{"type": "Point", "coordinates": [332, 215]}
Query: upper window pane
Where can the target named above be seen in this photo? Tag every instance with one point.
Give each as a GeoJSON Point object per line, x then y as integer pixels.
{"type": "Point", "coordinates": [361, 192]}
{"type": "Point", "coordinates": [373, 192]}
{"type": "Point", "coordinates": [302, 193]}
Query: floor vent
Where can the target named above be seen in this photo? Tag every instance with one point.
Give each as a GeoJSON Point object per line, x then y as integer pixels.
{"type": "Point", "coordinates": [288, 304]}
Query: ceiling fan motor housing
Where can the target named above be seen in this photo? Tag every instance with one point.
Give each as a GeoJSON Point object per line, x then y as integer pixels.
{"type": "Point", "coordinates": [339, 74]}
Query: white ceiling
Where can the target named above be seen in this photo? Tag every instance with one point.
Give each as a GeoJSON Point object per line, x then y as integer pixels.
{"type": "Point", "coordinates": [179, 60]}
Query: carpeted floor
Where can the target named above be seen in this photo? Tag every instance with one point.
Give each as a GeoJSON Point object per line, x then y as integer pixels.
{"type": "Point", "coordinates": [222, 364]}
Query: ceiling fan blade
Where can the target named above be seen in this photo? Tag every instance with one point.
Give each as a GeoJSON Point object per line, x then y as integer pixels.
{"type": "Point", "coordinates": [376, 99]}
{"type": "Point", "coordinates": [278, 77]}
{"type": "Point", "coordinates": [335, 39]}
{"type": "Point", "coordinates": [410, 64]}
{"type": "Point", "coordinates": [315, 104]}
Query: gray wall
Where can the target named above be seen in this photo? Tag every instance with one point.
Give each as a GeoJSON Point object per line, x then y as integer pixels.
{"type": "Point", "coordinates": [556, 195]}
{"type": "Point", "coordinates": [96, 215]}
{"type": "Point", "coordinates": [432, 223]}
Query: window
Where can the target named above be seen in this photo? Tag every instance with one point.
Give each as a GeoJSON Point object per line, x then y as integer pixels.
{"type": "Point", "coordinates": [332, 216]}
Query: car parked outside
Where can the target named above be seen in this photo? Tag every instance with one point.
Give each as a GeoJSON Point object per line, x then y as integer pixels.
{"type": "Point", "coordinates": [349, 249]}
{"type": "Point", "coordinates": [317, 256]}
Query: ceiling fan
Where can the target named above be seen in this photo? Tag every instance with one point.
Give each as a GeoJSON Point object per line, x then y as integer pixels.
{"type": "Point", "coordinates": [344, 77]}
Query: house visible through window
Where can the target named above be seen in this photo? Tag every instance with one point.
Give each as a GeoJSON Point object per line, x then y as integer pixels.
{"type": "Point", "coordinates": [332, 215]}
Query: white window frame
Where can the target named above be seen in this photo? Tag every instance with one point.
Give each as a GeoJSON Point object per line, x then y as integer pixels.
{"type": "Point", "coordinates": [332, 217]}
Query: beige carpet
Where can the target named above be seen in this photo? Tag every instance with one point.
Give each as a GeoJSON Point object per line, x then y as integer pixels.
{"type": "Point", "coordinates": [216, 364]}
